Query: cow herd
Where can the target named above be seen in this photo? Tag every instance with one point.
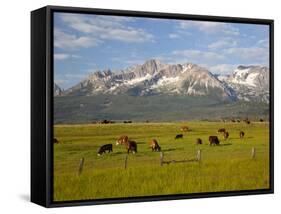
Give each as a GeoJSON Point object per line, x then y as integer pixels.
{"type": "Point", "coordinates": [131, 146]}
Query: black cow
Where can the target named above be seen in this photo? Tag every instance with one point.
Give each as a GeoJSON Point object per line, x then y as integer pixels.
{"type": "Point", "coordinates": [178, 136]}
{"type": "Point", "coordinates": [104, 148]}
{"type": "Point", "coordinates": [198, 141]}
{"type": "Point", "coordinates": [241, 134]}
{"type": "Point", "coordinates": [55, 140]}
{"type": "Point", "coordinates": [214, 140]}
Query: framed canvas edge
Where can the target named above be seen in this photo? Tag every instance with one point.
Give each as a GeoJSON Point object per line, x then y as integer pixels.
{"type": "Point", "coordinates": [49, 105]}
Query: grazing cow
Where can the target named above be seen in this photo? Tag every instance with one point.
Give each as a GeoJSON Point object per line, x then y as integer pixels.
{"type": "Point", "coordinates": [131, 146]}
{"type": "Point", "coordinates": [261, 120]}
{"type": "Point", "coordinates": [238, 121]}
{"type": "Point", "coordinates": [178, 136]}
{"type": "Point", "coordinates": [104, 148]}
{"type": "Point", "coordinates": [247, 121]}
{"type": "Point", "coordinates": [55, 140]}
{"type": "Point", "coordinates": [225, 135]}
{"type": "Point", "coordinates": [184, 128]}
{"type": "Point", "coordinates": [129, 121]}
{"type": "Point", "coordinates": [222, 130]}
{"type": "Point", "coordinates": [233, 121]}
{"type": "Point", "coordinates": [104, 122]}
{"type": "Point", "coordinates": [198, 141]}
{"type": "Point", "coordinates": [154, 145]}
{"type": "Point", "coordinates": [122, 140]}
{"type": "Point", "coordinates": [214, 140]}
{"type": "Point", "coordinates": [241, 134]}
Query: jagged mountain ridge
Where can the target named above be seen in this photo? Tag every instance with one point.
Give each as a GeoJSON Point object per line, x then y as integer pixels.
{"type": "Point", "coordinates": [154, 78]}
{"type": "Point", "coordinates": [151, 78]}
{"type": "Point", "coordinates": [250, 83]}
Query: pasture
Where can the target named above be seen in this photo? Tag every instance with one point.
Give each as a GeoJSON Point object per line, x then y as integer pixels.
{"type": "Point", "coordinates": [226, 167]}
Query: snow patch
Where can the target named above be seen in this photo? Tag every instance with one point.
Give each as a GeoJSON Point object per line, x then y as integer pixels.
{"type": "Point", "coordinates": [165, 81]}
{"type": "Point", "coordinates": [137, 80]}
{"type": "Point", "coordinates": [240, 73]}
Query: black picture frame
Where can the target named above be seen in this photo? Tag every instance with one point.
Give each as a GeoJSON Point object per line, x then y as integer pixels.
{"type": "Point", "coordinates": [42, 104]}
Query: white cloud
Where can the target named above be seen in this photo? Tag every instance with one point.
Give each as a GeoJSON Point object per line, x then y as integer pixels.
{"type": "Point", "coordinates": [70, 41]}
{"type": "Point", "coordinates": [209, 27]}
{"type": "Point", "coordinates": [263, 43]}
{"type": "Point", "coordinates": [223, 43]}
{"type": "Point", "coordinates": [61, 56]}
{"type": "Point", "coordinates": [69, 79]}
{"type": "Point", "coordinates": [249, 53]}
{"type": "Point", "coordinates": [106, 28]}
{"type": "Point", "coordinates": [174, 36]}
{"type": "Point", "coordinates": [75, 76]}
{"type": "Point", "coordinates": [222, 69]}
{"type": "Point", "coordinates": [64, 56]}
{"type": "Point", "coordinates": [197, 56]}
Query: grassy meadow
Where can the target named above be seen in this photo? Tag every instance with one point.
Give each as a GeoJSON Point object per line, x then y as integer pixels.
{"type": "Point", "coordinates": [222, 168]}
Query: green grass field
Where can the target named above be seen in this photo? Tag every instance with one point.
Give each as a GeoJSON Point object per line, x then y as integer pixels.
{"type": "Point", "coordinates": [222, 168]}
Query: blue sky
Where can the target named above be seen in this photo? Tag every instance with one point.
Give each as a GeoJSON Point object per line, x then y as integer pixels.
{"type": "Point", "coordinates": [85, 43]}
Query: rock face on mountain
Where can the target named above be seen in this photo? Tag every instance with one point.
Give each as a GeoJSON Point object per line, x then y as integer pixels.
{"type": "Point", "coordinates": [154, 77]}
{"type": "Point", "coordinates": [249, 83]}
{"type": "Point", "coordinates": [57, 90]}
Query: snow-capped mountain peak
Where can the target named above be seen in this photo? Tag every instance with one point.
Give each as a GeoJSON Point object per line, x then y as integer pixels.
{"type": "Point", "coordinates": [250, 83]}
{"type": "Point", "coordinates": [154, 77]}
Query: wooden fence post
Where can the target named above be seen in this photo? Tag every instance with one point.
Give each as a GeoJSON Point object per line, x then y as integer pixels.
{"type": "Point", "coordinates": [125, 163]}
{"type": "Point", "coordinates": [253, 153]}
{"type": "Point", "coordinates": [161, 158]}
{"type": "Point", "coordinates": [81, 165]}
{"type": "Point", "coordinates": [199, 155]}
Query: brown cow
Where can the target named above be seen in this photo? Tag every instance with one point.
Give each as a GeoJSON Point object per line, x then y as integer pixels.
{"type": "Point", "coordinates": [198, 141]}
{"type": "Point", "coordinates": [226, 135]}
{"type": "Point", "coordinates": [241, 134]}
{"type": "Point", "coordinates": [131, 146]}
{"type": "Point", "coordinates": [184, 128]}
{"type": "Point", "coordinates": [222, 130]}
{"type": "Point", "coordinates": [55, 140]}
{"type": "Point", "coordinates": [214, 140]}
{"type": "Point", "coordinates": [154, 145]}
{"type": "Point", "coordinates": [122, 140]}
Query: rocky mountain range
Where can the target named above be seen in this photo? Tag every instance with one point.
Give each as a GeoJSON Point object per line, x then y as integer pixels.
{"type": "Point", "coordinates": [247, 83]}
